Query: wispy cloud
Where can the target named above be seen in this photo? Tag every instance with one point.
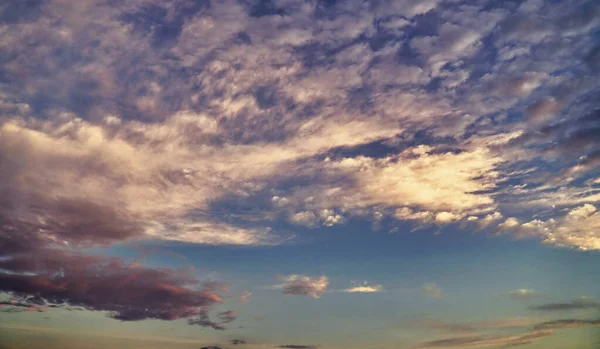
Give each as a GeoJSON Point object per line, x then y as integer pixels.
{"type": "Point", "coordinates": [581, 303]}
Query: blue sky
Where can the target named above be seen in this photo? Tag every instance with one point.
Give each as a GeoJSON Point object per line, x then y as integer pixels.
{"type": "Point", "coordinates": [299, 174]}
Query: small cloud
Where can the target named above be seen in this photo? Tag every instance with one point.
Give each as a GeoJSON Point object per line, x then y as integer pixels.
{"type": "Point", "coordinates": [302, 285]}
{"type": "Point", "coordinates": [294, 346]}
{"type": "Point", "coordinates": [523, 294]}
{"type": "Point", "coordinates": [432, 290]}
{"type": "Point", "coordinates": [237, 341]}
{"type": "Point", "coordinates": [364, 287]}
{"type": "Point", "coordinates": [204, 320]}
{"type": "Point", "coordinates": [244, 298]}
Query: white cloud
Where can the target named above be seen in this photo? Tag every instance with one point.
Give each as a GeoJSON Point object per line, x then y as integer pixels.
{"type": "Point", "coordinates": [523, 294]}
{"type": "Point", "coordinates": [364, 287]}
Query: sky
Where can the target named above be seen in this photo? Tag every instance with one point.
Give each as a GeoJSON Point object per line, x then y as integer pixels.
{"type": "Point", "coordinates": [299, 174]}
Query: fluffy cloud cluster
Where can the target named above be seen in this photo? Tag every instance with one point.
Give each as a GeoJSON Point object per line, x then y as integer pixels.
{"type": "Point", "coordinates": [578, 228]}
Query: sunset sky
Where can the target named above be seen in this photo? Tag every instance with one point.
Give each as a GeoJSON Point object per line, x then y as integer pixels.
{"type": "Point", "coordinates": [299, 174]}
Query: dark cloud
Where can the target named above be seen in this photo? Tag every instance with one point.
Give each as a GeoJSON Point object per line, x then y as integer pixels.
{"type": "Point", "coordinates": [237, 341]}
{"type": "Point", "coordinates": [295, 346]}
{"type": "Point", "coordinates": [567, 323]}
{"type": "Point", "coordinates": [227, 316]}
{"type": "Point", "coordinates": [204, 320]}
{"type": "Point", "coordinates": [582, 303]}
{"type": "Point", "coordinates": [127, 291]}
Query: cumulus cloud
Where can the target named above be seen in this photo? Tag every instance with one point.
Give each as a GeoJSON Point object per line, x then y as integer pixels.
{"type": "Point", "coordinates": [301, 285]}
{"type": "Point", "coordinates": [577, 229]}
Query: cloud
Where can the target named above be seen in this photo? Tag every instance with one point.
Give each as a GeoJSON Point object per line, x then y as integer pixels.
{"type": "Point", "coordinates": [432, 290]}
{"type": "Point", "coordinates": [567, 323]}
{"type": "Point", "coordinates": [476, 334]}
{"type": "Point", "coordinates": [575, 229]}
{"type": "Point", "coordinates": [523, 294]}
{"type": "Point", "coordinates": [204, 320]}
{"type": "Point", "coordinates": [128, 292]}
{"type": "Point", "coordinates": [581, 303]}
{"type": "Point", "coordinates": [482, 341]}
{"type": "Point", "coordinates": [295, 346]}
{"type": "Point", "coordinates": [237, 341]}
{"type": "Point", "coordinates": [276, 92]}
{"type": "Point", "coordinates": [364, 287]}
{"type": "Point", "coordinates": [244, 298]}
{"type": "Point", "coordinates": [301, 285]}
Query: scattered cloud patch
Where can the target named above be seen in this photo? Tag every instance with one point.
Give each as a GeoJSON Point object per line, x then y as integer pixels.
{"type": "Point", "coordinates": [581, 303]}
{"type": "Point", "coordinates": [432, 290]}
{"type": "Point", "coordinates": [301, 285]}
{"type": "Point", "coordinates": [523, 294]}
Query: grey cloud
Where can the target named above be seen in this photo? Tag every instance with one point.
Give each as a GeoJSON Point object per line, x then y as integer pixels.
{"type": "Point", "coordinates": [488, 341]}
{"type": "Point", "coordinates": [203, 320]}
{"type": "Point", "coordinates": [567, 323]}
{"type": "Point", "coordinates": [582, 303]}
{"type": "Point", "coordinates": [295, 346]}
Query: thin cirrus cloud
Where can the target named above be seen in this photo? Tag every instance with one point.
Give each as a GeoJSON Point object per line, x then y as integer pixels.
{"type": "Point", "coordinates": [477, 334]}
